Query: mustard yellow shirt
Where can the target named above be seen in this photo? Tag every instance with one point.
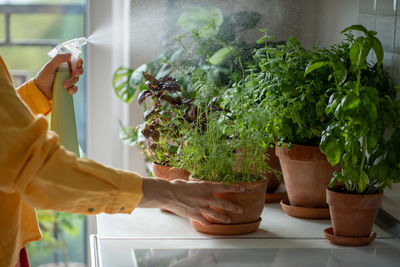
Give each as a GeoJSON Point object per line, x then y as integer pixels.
{"type": "Point", "coordinates": [36, 172]}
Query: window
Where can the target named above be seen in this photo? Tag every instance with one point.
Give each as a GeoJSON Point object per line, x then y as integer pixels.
{"type": "Point", "coordinates": [28, 31]}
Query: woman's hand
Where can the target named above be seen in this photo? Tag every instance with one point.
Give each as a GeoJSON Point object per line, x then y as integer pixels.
{"type": "Point", "coordinates": [45, 78]}
{"type": "Point", "coordinates": [189, 199]}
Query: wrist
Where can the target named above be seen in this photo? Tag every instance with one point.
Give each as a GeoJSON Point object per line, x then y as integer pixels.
{"type": "Point", "coordinates": [40, 89]}
{"type": "Point", "coordinates": [157, 193]}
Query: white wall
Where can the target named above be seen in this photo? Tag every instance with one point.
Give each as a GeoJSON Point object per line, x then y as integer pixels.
{"type": "Point", "coordinates": [333, 17]}
{"type": "Point", "coordinates": [109, 22]}
{"type": "Point", "coordinates": [391, 201]}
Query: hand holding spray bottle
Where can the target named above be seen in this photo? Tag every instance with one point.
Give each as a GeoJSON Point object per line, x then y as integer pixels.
{"type": "Point", "coordinates": [63, 114]}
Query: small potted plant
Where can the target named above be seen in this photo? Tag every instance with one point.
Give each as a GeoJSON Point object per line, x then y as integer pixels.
{"type": "Point", "coordinates": [209, 153]}
{"type": "Point", "coordinates": [295, 104]}
{"type": "Point", "coordinates": [157, 137]}
{"type": "Point", "coordinates": [364, 138]}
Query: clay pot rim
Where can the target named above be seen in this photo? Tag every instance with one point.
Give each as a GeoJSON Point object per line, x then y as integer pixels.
{"type": "Point", "coordinates": [265, 180]}
{"type": "Point", "coordinates": [166, 166]}
{"type": "Point", "coordinates": [301, 153]}
{"type": "Point", "coordinates": [350, 194]}
{"type": "Point", "coordinates": [353, 198]}
{"type": "Point", "coordinates": [159, 165]}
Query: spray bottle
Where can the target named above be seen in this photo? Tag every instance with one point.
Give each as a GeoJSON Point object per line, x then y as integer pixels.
{"type": "Point", "coordinates": [63, 114]}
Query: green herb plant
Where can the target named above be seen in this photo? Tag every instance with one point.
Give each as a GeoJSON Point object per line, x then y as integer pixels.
{"type": "Point", "coordinates": [157, 137]}
{"type": "Point", "coordinates": [224, 143]}
{"type": "Point", "coordinates": [364, 136]}
{"type": "Point", "coordinates": [216, 150]}
{"type": "Point", "coordinates": [295, 102]}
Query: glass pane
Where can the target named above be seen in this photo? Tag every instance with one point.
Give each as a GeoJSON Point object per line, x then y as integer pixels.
{"type": "Point", "coordinates": [64, 231]}
{"type": "Point", "coordinates": [2, 27]}
{"type": "Point", "coordinates": [25, 58]}
{"type": "Point", "coordinates": [47, 26]}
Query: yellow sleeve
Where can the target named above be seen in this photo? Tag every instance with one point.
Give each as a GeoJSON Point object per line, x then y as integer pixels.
{"type": "Point", "coordinates": [34, 98]}
{"type": "Point", "coordinates": [49, 177]}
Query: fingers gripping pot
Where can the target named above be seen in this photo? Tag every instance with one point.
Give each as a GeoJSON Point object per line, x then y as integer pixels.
{"type": "Point", "coordinates": [63, 114]}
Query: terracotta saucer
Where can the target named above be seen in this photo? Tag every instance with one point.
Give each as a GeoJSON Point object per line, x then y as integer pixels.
{"type": "Point", "coordinates": [227, 229]}
{"type": "Point", "coordinates": [303, 212]}
{"type": "Point", "coordinates": [275, 197]}
{"type": "Point", "coordinates": [348, 241]}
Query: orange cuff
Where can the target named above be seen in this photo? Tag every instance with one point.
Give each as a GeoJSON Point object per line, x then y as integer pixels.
{"type": "Point", "coordinates": [34, 98]}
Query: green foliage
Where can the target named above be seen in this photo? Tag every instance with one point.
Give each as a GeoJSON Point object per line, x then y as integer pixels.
{"type": "Point", "coordinates": [295, 102]}
{"type": "Point", "coordinates": [226, 141]}
{"type": "Point", "coordinates": [363, 110]}
{"type": "Point", "coordinates": [204, 64]}
{"type": "Point", "coordinates": [122, 84]}
{"type": "Point", "coordinates": [216, 148]}
{"type": "Point", "coordinates": [211, 49]}
{"type": "Point", "coordinates": [55, 228]}
{"type": "Point", "coordinates": [203, 20]}
{"type": "Point", "coordinates": [157, 136]}
{"type": "Point", "coordinates": [221, 55]}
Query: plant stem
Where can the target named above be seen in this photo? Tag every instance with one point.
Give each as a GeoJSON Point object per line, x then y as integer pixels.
{"type": "Point", "coordinates": [364, 152]}
{"type": "Point", "coordinates": [358, 80]}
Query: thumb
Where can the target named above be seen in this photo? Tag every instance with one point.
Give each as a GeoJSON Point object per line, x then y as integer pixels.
{"type": "Point", "coordinates": [56, 61]}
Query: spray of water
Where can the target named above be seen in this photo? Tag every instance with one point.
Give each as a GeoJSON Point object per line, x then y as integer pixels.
{"type": "Point", "coordinates": [146, 31]}
{"type": "Point", "coordinates": [149, 23]}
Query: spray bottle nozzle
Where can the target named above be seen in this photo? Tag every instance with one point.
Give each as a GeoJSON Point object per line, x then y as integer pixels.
{"type": "Point", "coordinates": [72, 46]}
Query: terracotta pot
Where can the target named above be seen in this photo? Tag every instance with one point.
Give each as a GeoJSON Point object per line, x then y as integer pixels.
{"type": "Point", "coordinates": [168, 173]}
{"type": "Point", "coordinates": [353, 215]}
{"type": "Point", "coordinates": [252, 202]}
{"type": "Point", "coordinates": [307, 173]}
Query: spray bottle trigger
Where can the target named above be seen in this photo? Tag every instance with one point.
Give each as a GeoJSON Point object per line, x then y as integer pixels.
{"type": "Point", "coordinates": [73, 46]}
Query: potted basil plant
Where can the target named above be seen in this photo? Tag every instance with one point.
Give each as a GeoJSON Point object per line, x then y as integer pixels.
{"type": "Point", "coordinates": [364, 138]}
{"type": "Point", "coordinates": [295, 104]}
